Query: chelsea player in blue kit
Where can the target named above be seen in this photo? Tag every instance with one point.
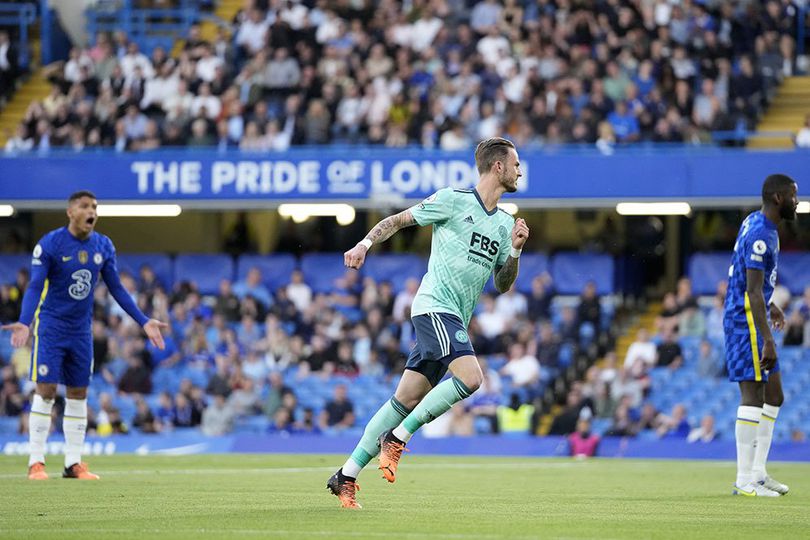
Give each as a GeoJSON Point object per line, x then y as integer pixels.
{"type": "Point", "coordinates": [58, 308]}
{"type": "Point", "coordinates": [750, 348]}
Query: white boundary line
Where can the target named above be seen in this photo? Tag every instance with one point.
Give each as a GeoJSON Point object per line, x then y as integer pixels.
{"type": "Point", "coordinates": [306, 533]}
{"type": "Point", "coordinates": [539, 465]}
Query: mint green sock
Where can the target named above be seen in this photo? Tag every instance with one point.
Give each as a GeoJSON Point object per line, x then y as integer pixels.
{"type": "Point", "coordinates": [388, 416]}
{"type": "Point", "coordinates": [437, 402]}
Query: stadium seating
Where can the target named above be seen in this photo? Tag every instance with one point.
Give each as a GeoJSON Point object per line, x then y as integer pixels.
{"type": "Point", "coordinates": [395, 268]}
{"type": "Point", "coordinates": [276, 269]}
{"type": "Point", "coordinates": [794, 271]}
{"type": "Point", "coordinates": [160, 264]}
{"type": "Point", "coordinates": [11, 264]}
{"type": "Point", "coordinates": [322, 269]}
{"type": "Point", "coordinates": [706, 270]}
{"type": "Point", "coordinates": [572, 271]}
{"type": "Point", "coordinates": [207, 271]}
{"type": "Point", "coordinates": [719, 398]}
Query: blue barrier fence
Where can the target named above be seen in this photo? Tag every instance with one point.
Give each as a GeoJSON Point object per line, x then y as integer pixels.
{"type": "Point", "coordinates": [192, 442]}
{"type": "Point", "coordinates": [708, 177]}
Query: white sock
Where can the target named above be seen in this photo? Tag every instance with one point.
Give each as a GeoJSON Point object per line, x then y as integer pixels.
{"type": "Point", "coordinates": [350, 468]}
{"type": "Point", "coordinates": [402, 434]}
{"type": "Point", "coordinates": [39, 425]}
{"type": "Point", "coordinates": [74, 426]}
{"type": "Point", "coordinates": [764, 438]}
{"type": "Point", "coordinates": [746, 434]}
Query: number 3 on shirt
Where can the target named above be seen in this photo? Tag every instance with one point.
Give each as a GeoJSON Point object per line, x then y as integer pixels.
{"type": "Point", "coordinates": [84, 282]}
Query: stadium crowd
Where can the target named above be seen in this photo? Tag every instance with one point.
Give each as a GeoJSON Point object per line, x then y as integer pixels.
{"type": "Point", "coordinates": [618, 394]}
{"type": "Point", "coordinates": [431, 73]}
{"type": "Point", "coordinates": [250, 351]}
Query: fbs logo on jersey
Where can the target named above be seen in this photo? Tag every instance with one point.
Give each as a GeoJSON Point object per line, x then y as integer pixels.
{"type": "Point", "coordinates": [469, 220]}
{"type": "Point", "coordinates": [42, 370]}
{"type": "Point", "coordinates": [66, 258]}
{"type": "Point", "coordinates": [83, 257]}
{"type": "Point", "coordinates": [461, 336]}
{"type": "Point", "coordinates": [97, 258]}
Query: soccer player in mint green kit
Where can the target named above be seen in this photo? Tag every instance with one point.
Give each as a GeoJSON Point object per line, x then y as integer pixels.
{"type": "Point", "coordinates": [472, 239]}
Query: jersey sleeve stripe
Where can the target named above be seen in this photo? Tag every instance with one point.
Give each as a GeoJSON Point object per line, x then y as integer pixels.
{"type": "Point", "coordinates": [36, 332]}
{"type": "Point", "coordinates": [752, 331]}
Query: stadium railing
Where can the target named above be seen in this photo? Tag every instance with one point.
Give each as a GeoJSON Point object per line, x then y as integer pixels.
{"type": "Point", "coordinates": [149, 28]}
{"type": "Point", "coordinates": [22, 16]}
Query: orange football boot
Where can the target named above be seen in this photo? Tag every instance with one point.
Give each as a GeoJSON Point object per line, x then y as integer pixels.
{"type": "Point", "coordinates": [345, 489]}
{"type": "Point", "coordinates": [79, 471]}
{"type": "Point", "coordinates": [37, 471]}
{"type": "Point", "coordinates": [391, 450]}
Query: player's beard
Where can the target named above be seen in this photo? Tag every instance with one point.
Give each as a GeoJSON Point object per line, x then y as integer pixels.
{"type": "Point", "coordinates": [787, 211]}
{"type": "Point", "coordinates": [509, 184]}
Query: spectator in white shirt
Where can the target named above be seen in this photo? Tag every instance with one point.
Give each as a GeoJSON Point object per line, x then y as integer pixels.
{"type": "Point", "coordinates": [351, 113]}
{"type": "Point", "coordinates": [524, 369]}
{"type": "Point", "coordinates": [207, 64]}
{"type": "Point", "coordinates": [159, 90]}
{"type": "Point", "coordinates": [404, 299]}
{"type": "Point", "coordinates": [299, 292]}
{"type": "Point", "coordinates": [21, 142]}
{"type": "Point", "coordinates": [78, 58]}
{"type": "Point", "coordinates": [252, 34]}
{"type": "Point", "coordinates": [803, 137]}
{"type": "Point", "coordinates": [511, 304]}
{"type": "Point", "coordinates": [178, 105]}
{"type": "Point", "coordinates": [455, 139]}
{"type": "Point", "coordinates": [642, 350]}
{"type": "Point", "coordinates": [295, 14]}
{"type": "Point", "coordinates": [492, 323]}
{"type": "Point", "coordinates": [493, 47]}
{"type": "Point", "coordinates": [206, 100]}
{"type": "Point", "coordinates": [424, 30]}
{"type": "Point", "coordinates": [135, 58]}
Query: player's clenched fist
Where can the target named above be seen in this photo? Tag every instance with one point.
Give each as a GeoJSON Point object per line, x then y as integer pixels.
{"type": "Point", "coordinates": [355, 257]}
{"type": "Point", "coordinates": [520, 233]}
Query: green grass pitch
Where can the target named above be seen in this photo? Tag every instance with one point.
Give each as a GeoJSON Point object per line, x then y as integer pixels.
{"type": "Point", "coordinates": [460, 498]}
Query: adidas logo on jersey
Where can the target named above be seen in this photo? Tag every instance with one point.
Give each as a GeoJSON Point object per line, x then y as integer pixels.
{"type": "Point", "coordinates": [469, 220]}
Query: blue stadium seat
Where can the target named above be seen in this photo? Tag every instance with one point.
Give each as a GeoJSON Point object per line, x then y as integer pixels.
{"type": "Point", "coordinates": [395, 268]}
{"type": "Point", "coordinates": [531, 265]}
{"type": "Point", "coordinates": [204, 270]}
{"type": "Point", "coordinates": [322, 269]}
{"type": "Point", "coordinates": [572, 271]}
{"type": "Point", "coordinates": [706, 270]}
{"type": "Point", "coordinates": [794, 271]}
{"type": "Point", "coordinates": [160, 264]}
{"type": "Point", "coordinates": [11, 264]}
{"type": "Point", "coordinates": [276, 269]}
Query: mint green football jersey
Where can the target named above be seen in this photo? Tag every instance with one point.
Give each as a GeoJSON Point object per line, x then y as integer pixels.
{"type": "Point", "coordinates": [468, 244]}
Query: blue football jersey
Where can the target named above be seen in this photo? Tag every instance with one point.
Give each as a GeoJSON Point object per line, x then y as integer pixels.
{"type": "Point", "coordinates": [68, 270]}
{"type": "Point", "coordinates": [757, 247]}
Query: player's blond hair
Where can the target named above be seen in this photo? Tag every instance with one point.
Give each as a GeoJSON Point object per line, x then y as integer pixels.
{"type": "Point", "coordinates": [491, 150]}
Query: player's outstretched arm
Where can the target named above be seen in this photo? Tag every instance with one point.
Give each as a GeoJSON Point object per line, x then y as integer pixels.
{"type": "Point", "coordinates": [382, 231]}
{"type": "Point", "coordinates": [754, 279]}
{"type": "Point", "coordinates": [505, 275]}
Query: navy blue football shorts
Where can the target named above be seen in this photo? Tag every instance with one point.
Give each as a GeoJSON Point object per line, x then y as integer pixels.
{"type": "Point", "coordinates": [440, 339]}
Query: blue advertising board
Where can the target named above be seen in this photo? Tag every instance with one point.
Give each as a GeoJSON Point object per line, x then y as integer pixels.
{"type": "Point", "coordinates": [363, 175]}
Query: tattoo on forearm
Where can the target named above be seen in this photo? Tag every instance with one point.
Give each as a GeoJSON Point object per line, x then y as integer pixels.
{"type": "Point", "coordinates": [386, 228]}
{"type": "Point", "coordinates": [506, 276]}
